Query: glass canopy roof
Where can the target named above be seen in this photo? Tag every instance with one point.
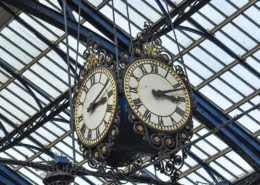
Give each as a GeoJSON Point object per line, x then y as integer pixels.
{"type": "Point", "coordinates": [223, 80]}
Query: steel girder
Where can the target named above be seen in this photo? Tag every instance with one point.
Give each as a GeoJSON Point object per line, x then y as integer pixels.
{"type": "Point", "coordinates": [252, 179]}
{"type": "Point", "coordinates": [238, 139]}
{"type": "Point", "coordinates": [10, 177]}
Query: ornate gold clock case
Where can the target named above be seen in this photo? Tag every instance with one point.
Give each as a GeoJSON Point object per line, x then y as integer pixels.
{"type": "Point", "coordinates": [157, 95]}
{"type": "Point", "coordinates": [95, 106]}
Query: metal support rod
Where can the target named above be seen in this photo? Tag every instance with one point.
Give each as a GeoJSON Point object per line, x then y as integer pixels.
{"type": "Point", "coordinates": [68, 10]}
{"type": "Point", "coordinates": [69, 80]}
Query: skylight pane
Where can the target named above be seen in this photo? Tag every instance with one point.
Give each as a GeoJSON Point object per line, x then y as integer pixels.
{"type": "Point", "coordinates": [226, 90]}
{"type": "Point", "coordinates": [239, 161]}
{"type": "Point", "coordinates": [229, 43]}
{"type": "Point", "coordinates": [195, 178]}
{"type": "Point", "coordinates": [224, 7]}
{"type": "Point", "coordinates": [43, 85]}
{"type": "Point", "coordinates": [3, 77]}
{"type": "Point", "coordinates": [19, 103]}
{"type": "Point", "coordinates": [205, 174]}
{"type": "Point", "coordinates": [247, 75]}
{"type": "Point", "coordinates": [248, 26]}
{"type": "Point", "coordinates": [149, 12]}
{"type": "Point", "coordinates": [133, 15]}
{"type": "Point", "coordinates": [253, 13]}
{"type": "Point", "coordinates": [246, 121]}
{"type": "Point", "coordinates": [254, 61]}
{"type": "Point", "coordinates": [31, 176]}
{"type": "Point", "coordinates": [196, 66]}
{"type": "Point", "coordinates": [237, 83]}
{"type": "Point", "coordinates": [239, 3]}
{"type": "Point", "coordinates": [217, 52]}
{"type": "Point", "coordinates": [185, 181]}
{"type": "Point", "coordinates": [13, 109]}
{"type": "Point", "coordinates": [11, 48]}
{"type": "Point", "coordinates": [229, 166]}
{"type": "Point", "coordinates": [7, 126]}
{"type": "Point", "coordinates": [10, 60]}
{"type": "Point", "coordinates": [202, 21]}
{"type": "Point", "coordinates": [222, 171]}
{"type": "Point", "coordinates": [49, 77]}
{"type": "Point", "coordinates": [206, 148]}
{"type": "Point", "coordinates": [38, 27]}
{"type": "Point", "coordinates": [239, 36]}
{"type": "Point", "coordinates": [215, 97]}
{"type": "Point", "coordinates": [20, 42]}
{"type": "Point", "coordinates": [194, 79]}
{"type": "Point", "coordinates": [206, 59]}
{"type": "Point", "coordinates": [212, 14]}
{"type": "Point", "coordinates": [214, 140]}
{"type": "Point", "coordinates": [27, 34]}
{"type": "Point", "coordinates": [121, 21]}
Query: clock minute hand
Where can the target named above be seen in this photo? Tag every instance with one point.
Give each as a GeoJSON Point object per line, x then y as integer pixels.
{"type": "Point", "coordinates": [160, 92]}
{"type": "Point", "coordinates": [91, 105]}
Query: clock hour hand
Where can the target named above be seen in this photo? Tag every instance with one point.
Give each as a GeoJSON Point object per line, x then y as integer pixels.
{"type": "Point", "coordinates": [159, 94]}
{"type": "Point", "coordinates": [91, 105]}
{"type": "Point", "coordinates": [99, 102]}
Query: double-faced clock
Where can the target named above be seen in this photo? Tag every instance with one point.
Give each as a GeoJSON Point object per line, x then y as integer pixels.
{"type": "Point", "coordinates": [157, 95]}
{"type": "Point", "coordinates": [95, 106]}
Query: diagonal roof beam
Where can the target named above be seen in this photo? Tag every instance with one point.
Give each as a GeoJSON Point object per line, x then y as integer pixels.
{"type": "Point", "coordinates": [193, 6]}
{"type": "Point", "coordinates": [56, 19]}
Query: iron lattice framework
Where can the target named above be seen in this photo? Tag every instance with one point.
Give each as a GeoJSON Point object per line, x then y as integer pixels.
{"type": "Point", "coordinates": [206, 112]}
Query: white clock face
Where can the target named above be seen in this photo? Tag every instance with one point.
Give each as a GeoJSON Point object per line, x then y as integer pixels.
{"type": "Point", "coordinates": [95, 106]}
{"type": "Point", "coordinates": [157, 95]}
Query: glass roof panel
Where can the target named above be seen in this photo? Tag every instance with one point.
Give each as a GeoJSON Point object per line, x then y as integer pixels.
{"type": "Point", "coordinates": [239, 36]}
{"type": "Point", "coordinates": [224, 7]}
{"type": "Point", "coordinates": [217, 52]}
{"type": "Point", "coordinates": [222, 171]}
{"type": "Point", "coordinates": [212, 14]}
{"type": "Point", "coordinates": [248, 26]}
{"type": "Point", "coordinates": [247, 76]}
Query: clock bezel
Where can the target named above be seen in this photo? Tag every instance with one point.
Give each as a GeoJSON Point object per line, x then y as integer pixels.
{"type": "Point", "coordinates": [99, 139]}
{"type": "Point", "coordinates": [127, 95]}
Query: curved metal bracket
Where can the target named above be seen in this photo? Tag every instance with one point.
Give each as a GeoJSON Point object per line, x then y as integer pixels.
{"type": "Point", "coordinates": [43, 150]}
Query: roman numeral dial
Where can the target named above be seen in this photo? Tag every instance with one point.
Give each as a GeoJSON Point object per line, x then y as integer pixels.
{"type": "Point", "coordinates": [157, 95]}
{"type": "Point", "coordinates": [95, 106]}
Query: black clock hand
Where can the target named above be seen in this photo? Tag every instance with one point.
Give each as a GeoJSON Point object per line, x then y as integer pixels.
{"type": "Point", "coordinates": [158, 94]}
{"type": "Point", "coordinates": [91, 105]}
{"type": "Point", "coordinates": [99, 102]}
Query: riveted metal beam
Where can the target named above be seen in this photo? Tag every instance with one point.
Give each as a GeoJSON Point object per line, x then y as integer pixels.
{"type": "Point", "coordinates": [10, 177]}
